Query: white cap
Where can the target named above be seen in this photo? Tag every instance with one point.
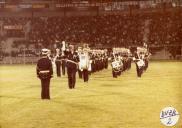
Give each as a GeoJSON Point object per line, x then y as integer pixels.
{"type": "Point", "coordinates": [44, 51]}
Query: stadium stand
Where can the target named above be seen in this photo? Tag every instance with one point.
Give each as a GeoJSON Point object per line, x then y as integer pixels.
{"type": "Point", "coordinates": [106, 30]}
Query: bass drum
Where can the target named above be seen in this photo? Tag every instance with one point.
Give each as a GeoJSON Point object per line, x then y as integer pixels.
{"type": "Point", "coordinates": [117, 65]}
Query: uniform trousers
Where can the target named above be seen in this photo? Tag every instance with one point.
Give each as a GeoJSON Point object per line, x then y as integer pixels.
{"type": "Point", "coordinates": [71, 77]}
{"type": "Point", "coordinates": [63, 67]}
{"type": "Point", "coordinates": [45, 83]}
{"type": "Point", "coordinates": [85, 75]}
{"type": "Point", "coordinates": [58, 68]}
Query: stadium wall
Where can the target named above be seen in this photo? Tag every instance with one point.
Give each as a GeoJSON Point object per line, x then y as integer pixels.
{"type": "Point", "coordinates": [162, 54]}
{"type": "Point", "coordinates": [93, 12]}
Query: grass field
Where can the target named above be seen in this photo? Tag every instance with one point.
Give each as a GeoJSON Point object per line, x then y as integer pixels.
{"type": "Point", "coordinates": [104, 102]}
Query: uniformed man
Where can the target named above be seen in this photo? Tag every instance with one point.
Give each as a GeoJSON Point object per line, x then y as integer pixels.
{"type": "Point", "coordinates": [72, 66]}
{"type": "Point", "coordinates": [58, 63]}
{"type": "Point", "coordinates": [105, 61]}
{"type": "Point", "coordinates": [93, 63]}
{"type": "Point", "coordinates": [63, 63]}
{"type": "Point", "coordinates": [63, 57]}
{"type": "Point", "coordinates": [116, 66]}
{"type": "Point", "coordinates": [146, 60]}
{"type": "Point", "coordinates": [137, 59]}
{"type": "Point", "coordinates": [79, 70]}
{"type": "Point", "coordinates": [44, 73]}
{"type": "Point", "coordinates": [86, 62]}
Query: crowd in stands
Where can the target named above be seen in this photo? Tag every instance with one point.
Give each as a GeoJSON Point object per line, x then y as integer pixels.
{"type": "Point", "coordinates": [107, 30]}
{"type": "Point", "coordinates": [166, 29]}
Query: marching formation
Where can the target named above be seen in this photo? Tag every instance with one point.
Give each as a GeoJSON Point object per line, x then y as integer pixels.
{"type": "Point", "coordinates": [121, 61]}
{"type": "Point", "coordinates": [141, 58]}
{"type": "Point", "coordinates": [87, 61]}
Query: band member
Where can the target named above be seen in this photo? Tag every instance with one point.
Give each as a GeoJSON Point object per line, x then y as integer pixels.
{"type": "Point", "coordinates": [116, 66]}
{"type": "Point", "coordinates": [129, 62]}
{"type": "Point", "coordinates": [58, 63]}
{"type": "Point", "coordinates": [146, 60]}
{"type": "Point", "coordinates": [105, 61]}
{"type": "Point", "coordinates": [63, 63]}
{"type": "Point", "coordinates": [44, 73]}
{"type": "Point", "coordinates": [79, 69]}
{"type": "Point", "coordinates": [63, 57]}
{"type": "Point", "coordinates": [84, 64]}
{"type": "Point", "coordinates": [138, 59]}
{"type": "Point", "coordinates": [49, 55]}
{"type": "Point", "coordinates": [72, 65]}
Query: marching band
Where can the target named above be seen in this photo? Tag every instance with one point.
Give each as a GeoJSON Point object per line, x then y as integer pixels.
{"type": "Point", "coordinates": [140, 58]}
{"type": "Point", "coordinates": [121, 61]}
{"type": "Point", "coordinates": [87, 61]}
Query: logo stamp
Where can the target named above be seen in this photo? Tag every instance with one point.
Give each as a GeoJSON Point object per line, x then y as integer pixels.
{"type": "Point", "coordinates": [169, 116]}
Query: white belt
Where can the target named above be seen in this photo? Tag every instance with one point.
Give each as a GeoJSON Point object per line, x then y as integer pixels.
{"type": "Point", "coordinates": [45, 71]}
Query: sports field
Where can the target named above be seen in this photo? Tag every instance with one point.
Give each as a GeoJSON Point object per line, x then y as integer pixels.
{"type": "Point", "coordinates": [104, 102]}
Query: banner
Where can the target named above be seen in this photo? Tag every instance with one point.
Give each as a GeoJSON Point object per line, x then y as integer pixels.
{"type": "Point", "coordinates": [13, 27]}
{"type": "Point", "coordinates": [24, 6]}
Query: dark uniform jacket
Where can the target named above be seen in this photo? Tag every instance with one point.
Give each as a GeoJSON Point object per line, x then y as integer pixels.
{"type": "Point", "coordinates": [44, 64]}
{"type": "Point", "coordinates": [71, 58]}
